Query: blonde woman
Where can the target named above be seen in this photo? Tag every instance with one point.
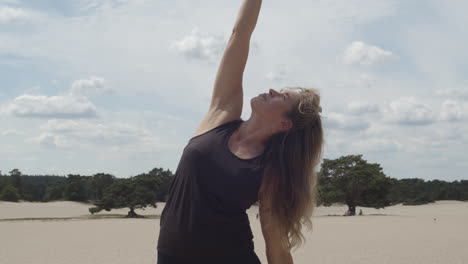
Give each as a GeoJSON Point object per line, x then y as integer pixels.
{"type": "Point", "coordinates": [229, 164]}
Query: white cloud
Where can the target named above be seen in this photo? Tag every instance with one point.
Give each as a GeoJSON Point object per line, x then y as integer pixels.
{"type": "Point", "coordinates": [456, 93]}
{"type": "Point", "coordinates": [12, 14]}
{"type": "Point", "coordinates": [198, 45]}
{"type": "Point", "coordinates": [425, 142]}
{"type": "Point", "coordinates": [407, 111]}
{"type": "Point", "coordinates": [277, 76]}
{"type": "Point", "coordinates": [41, 106]}
{"type": "Point", "coordinates": [366, 80]}
{"type": "Point", "coordinates": [364, 54]}
{"type": "Point", "coordinates": [9, 1]}
{"type": "Point", "coordinates": [86, 134]}
{"type": "Point", "coordinates": [457, 134]}
{"type": "Point", "coordinates": [114, 133]}
{"type": "Point", "coordinates": [376, 145]}
{"type": "Point", "coordinates": [74, 103]}
{"type": "Point", "coordinates": [91, 86]}
{"type": "Point", "coordinates": [11, 132]}
{"type": "Point", "coordinates": [50, 140]}
{"type": "Point", "coordinates": [342, 122]}
{"type": "Point", "coordinates": [451, 111]}
{"type": "Point", "coordinates": [362, 108]}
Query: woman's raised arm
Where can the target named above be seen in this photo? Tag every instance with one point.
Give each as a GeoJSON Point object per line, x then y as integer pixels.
{"type": "Point", "coordinates": [247, 17]}
{"type": "Point", "coordinates": [227, 92]}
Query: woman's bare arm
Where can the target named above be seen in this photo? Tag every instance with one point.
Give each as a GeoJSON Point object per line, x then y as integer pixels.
{"type": "Point", "coordinates": [275, 252]}
{"type": "Point", "coordinates": [248, 16]}
{"type": "Point", "coordinates": [227, 92]}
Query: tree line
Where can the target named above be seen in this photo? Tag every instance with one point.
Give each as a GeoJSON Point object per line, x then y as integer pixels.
{"type": "Point", "coordinates": [349, 180]}
{"type": "Point", "coordinates": [104, 190]}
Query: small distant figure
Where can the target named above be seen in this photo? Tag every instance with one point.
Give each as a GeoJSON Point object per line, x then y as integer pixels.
{"type": "Point", "coordinates": [257, 215]}
{"type": "Point", "coordinates": [360, 211]}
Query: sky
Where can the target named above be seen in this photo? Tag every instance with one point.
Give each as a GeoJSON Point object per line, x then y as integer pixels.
{"type": "Point", "coordinates": [116, 86]}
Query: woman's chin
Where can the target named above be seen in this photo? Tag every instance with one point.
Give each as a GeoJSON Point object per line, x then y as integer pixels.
{"type": "Point", "coordinates": [256, 100]}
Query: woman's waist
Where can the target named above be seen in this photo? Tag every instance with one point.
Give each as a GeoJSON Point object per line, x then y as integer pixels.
{"type": "Point", "coordinates": [203, 243]}
{"type": "Point", "coordinates": [196, 225]}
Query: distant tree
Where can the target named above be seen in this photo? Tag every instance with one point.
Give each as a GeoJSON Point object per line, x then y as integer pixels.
{"type": "Point", "coordinates": [75, 189]}
{"type": "Point", "coordinates": [414, 191]}
{"type": "Point", "coordinates": [15, 176]}
{"type": "Point", "coordinates": [137, 192]}
{"type": "Point", "coordinates": [54, 192]}
{"type": "Point", "coordinates": [10, 193]}
{"type": "Point", "coordinates": [32, 192]}
{"type": "Point", "coordinates": [353, 181]}
{"type": "Point", "coordinates": [34, 186]}
{"type": "Point", "coordinates": [4, 181]}
{"type": "Point", "coordinates": [464, 190]}
{"type": "Point", "coordinates": [164, 180]}
{"type": "Point", "coordinates": [329, 194]}
{"type": "Point", "coordinates": [99, 182]}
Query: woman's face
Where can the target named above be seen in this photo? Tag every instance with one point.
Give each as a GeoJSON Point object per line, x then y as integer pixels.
{"type": "Point", "coordinates": [273, 106]}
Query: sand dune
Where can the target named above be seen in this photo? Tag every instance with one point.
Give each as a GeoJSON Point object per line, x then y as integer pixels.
{"type": "Point", "coordinates": [432, 233]}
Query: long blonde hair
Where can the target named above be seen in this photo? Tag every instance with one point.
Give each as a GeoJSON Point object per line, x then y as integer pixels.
{"type": "Point", "coordinates": [289, 185]}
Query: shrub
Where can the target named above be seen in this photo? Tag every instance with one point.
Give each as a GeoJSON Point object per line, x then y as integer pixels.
{"type": "Point", "coordinates": [10, 193]}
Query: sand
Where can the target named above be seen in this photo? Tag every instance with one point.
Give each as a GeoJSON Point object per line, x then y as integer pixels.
{"type": "Point", "coordinates": [432, 233]}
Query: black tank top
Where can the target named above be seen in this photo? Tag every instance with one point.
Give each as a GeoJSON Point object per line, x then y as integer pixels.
{"type": "Point", "coordinates": [205, 213]}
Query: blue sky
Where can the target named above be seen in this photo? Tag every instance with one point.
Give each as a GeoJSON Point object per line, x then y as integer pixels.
{"type": "Point", "coordinates": [120, 86]}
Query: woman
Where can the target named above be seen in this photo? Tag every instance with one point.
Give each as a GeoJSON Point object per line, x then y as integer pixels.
{"type": "Point", "coordinates": [230, 164]}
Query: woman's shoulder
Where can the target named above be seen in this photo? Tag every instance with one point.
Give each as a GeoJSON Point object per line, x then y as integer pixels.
{"type": "Point", "coordinates": [207, 125]}
{"type": "Point", "coordinates": [204, 128]}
